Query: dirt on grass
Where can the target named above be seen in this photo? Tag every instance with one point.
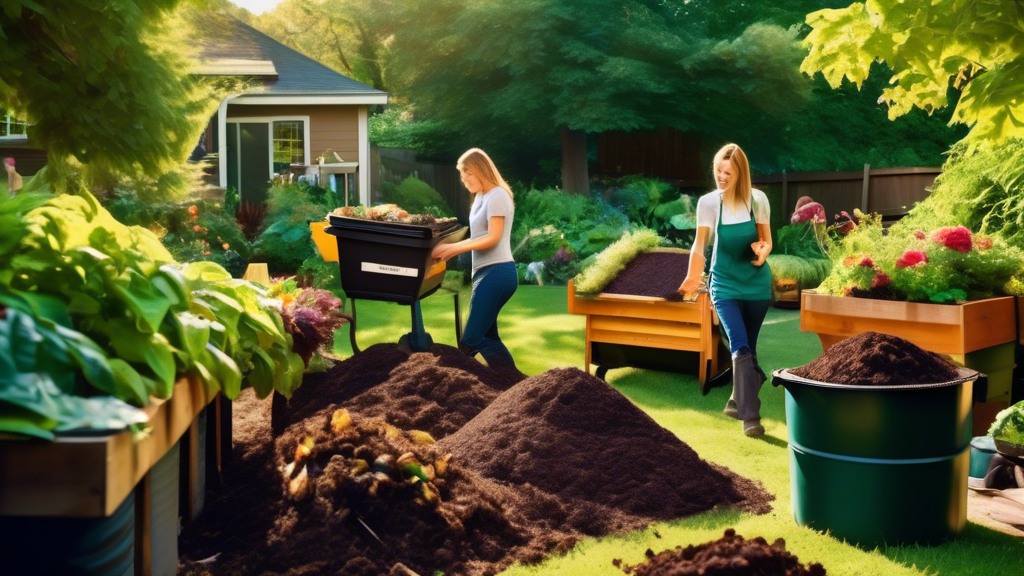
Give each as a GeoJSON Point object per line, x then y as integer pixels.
{"type": "Point", "coordinates": [875, 359]}
{"type": "Point", "coordinates": [655, 274]}
{"type": "Point", "coordinates": [356, 485]}
{"type": "Point", "coordinates": [731, 555]}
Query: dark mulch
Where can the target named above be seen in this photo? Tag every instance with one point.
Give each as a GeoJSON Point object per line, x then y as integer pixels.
{"type": "Point", "coordinates": [656, 274]}
{"type": "Point", "coordinates": [730, 555]}
{"type": "Point", "coordinates": [282, 513]}
{"type": "Point", "coordinates": [574, 436]}
{"type": "Point", "coordinates": [875, 359]}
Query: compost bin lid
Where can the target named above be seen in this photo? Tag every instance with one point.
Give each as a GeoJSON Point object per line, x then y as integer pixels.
{"type": "Point", "coordinates": [392, 228]}
{"type": "Point", "coordinates": [783, 375]}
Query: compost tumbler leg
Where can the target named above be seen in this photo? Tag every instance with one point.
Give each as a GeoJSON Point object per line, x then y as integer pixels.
{"type": "Point", "coordinates": [418, 340]}
{"type": "Point", "coordinates": [602, 372]}
{"type": "Point", "coordinates": [351, 330]}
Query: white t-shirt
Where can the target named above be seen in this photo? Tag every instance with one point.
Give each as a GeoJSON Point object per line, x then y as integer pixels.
{"type": "Point", "coordinates": [707, 211]}
{"type": "Point", "coordinates": [495, 202]}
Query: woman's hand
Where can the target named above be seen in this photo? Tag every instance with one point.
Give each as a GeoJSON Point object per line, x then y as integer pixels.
{"type": "Point", "coordinates": [444, 252]}
{"type": "Point", "coordinates": [689, 286]}
{"type": "Point", "coordinates": [760, 249]}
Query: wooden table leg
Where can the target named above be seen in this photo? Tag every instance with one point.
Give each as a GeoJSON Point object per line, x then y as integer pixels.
{"type": "Point", "coordinates": [192, 470]}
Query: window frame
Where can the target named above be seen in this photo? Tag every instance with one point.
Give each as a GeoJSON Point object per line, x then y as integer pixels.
{"type": "Point", "coordinates": [9, 119]}
{"type": "Point", "coordinates": [269, 120]}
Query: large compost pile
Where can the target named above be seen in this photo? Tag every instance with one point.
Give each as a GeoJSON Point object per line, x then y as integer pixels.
{"type": "Point", "coordinates": [399, 463]}
{"type": "Point", "coordinates": [875, 359]}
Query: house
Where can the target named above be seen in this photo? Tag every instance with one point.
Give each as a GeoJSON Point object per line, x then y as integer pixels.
{"type": "Point", "coordinates": [298, 110]}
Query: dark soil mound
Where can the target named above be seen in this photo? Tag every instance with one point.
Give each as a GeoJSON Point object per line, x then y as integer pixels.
{"type": "Point", "coordinates": [436, 391]}
{"type": "Point", "coordinates": [728, 556]}
{"type": "Point", "coordinates": [358, 496]}
{"type": "Point", "coordinates": [572, 435]}
{"type": "Point", "coordinates": [657, 274]}
{"type": "Point", "coordinates": [874, 359]}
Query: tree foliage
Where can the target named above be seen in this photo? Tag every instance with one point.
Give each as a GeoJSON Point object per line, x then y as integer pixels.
{"type": "Point", "coordinates": [973, 45]}
{"type": "Point", "coordinates": [104, 83]}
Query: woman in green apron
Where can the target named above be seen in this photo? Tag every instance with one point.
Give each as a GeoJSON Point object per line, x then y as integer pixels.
{"type": "Point", "coordinates": [734, 219]}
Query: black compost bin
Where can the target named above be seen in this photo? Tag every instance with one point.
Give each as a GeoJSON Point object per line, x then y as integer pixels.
{"type": "Point", "coordinates": [390, 261]}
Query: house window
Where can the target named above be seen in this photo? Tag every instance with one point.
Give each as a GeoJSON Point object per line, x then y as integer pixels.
{"type": "Point", "coordinates": [11, 126]}
{"type": "Point", "coordinates": [289, 144]}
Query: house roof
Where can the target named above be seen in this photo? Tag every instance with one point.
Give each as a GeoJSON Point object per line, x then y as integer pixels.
{"type": "Point", "coordinates": [228, 46]}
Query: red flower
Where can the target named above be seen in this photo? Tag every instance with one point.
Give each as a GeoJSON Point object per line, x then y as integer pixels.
{"type": "Point", "coordinates": [867, 262]}
{"type": "Point", "coordinates": [911, 258]}
{"type": "Point", "coordinates": [982, 243]}
{"type": "Point", "coordinates": [958, 238]}
{"type": "Point", "coordinates": [920, 235]}
{"type": "Point", "coordinates": [193, 211]}
{"type": "Point", "coordinates": [881, 280]}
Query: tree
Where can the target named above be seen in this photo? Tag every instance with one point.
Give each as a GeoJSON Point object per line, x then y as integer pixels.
{"type": "Point", "coordinates": [565, 69]}
{"type": "Point", "coordinates": [930, 45]}
{"type": "Point", "coordinates": [347, 35]}
{"type": "Point", "coordinates": [104, 82]}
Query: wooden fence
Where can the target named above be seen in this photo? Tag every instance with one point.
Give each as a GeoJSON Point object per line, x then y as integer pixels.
{"type": "Point", "coordinates": [395, 164]}
{"type": "Point", "coordinates": [888, 191]}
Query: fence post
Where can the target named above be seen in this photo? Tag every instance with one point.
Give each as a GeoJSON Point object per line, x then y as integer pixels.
{"type": "Point", "coordinates": [864, 191]}
{"type": "Point", "coordinates": [785, 197]}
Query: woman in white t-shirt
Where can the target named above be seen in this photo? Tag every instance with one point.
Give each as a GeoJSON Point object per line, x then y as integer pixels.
{"type": "Point", "coordinates": [734, 219]}
{"type": "Point", "coordinates": [494, 270]}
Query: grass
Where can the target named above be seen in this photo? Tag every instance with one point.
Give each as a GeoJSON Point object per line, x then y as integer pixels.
{"type": "Point", "coordinates": [541, 335]}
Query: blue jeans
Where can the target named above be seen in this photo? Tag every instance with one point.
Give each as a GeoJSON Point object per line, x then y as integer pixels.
{"type": "Point", "coordinates": [742, 321]}
{"type": "Point", "coordinates": [492, 287]}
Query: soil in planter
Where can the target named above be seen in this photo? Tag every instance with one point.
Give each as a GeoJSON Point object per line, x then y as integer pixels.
{"type": "Point", "coordinates": [875, 359]}
{"type": "Point", "coordinates": [727, 556]}
{"type": "Point", "coordinates": [572, 435]}
{"type": "Point", "coordinates": [655, 274]}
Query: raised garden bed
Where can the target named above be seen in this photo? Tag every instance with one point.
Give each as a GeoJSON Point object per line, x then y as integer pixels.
{"type": "Point", "coordinates": [88, 485]}
{"type": "Point", "coordinates": [980, 335]}
{"type": "Point", "coordinates": [640, 313]}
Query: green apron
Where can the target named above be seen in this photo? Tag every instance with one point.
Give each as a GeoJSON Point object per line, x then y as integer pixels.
{"type": "Point", "coordinates": [733, 277]}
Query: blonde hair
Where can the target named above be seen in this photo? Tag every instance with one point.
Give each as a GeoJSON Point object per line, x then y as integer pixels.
{"type": "Point", "coordinates": [741, 190]}
{"type": "Point", "coordinates": [479, 162]}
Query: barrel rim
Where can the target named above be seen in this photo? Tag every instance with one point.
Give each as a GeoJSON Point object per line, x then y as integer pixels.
{"type": "Point", "coordinates": [784, 376]}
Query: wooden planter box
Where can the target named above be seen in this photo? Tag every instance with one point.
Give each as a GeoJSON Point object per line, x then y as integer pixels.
{"type": "Point", "coordinates": [981, 334]}
{"type": "Point", "coordinates": [82, 477]}
{"type": "Point", "coordinates": [650, 323]}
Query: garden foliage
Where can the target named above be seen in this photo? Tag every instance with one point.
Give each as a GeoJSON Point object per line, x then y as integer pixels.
{"type": "Point", "coordinates": [110, 301]}
{"type": "Point", "coordinates": [808, 272]}
{"type": "Point", "coordinates": [1009, 425]}
{"type": "Point", "coordinates": [943, 265]}
{"type": "Point", "coordinates": [415, 197]}
{"type": "Point", "coordinates": [286, 241]}
{"type": "Point", "coordinates": [982, 190]}
{"type": "Point", "coordinates": [930, 45]}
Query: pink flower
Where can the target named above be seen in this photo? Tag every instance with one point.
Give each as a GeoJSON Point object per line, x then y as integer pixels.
{"type": "Point", "coordinates": [809, 211]}
{"type": "Point", "coordinates": [958, 238]}
{"type": "Point", "coordinates": [911, 258]}
{"type": "Point", "coordinates": [867, 262]}
{"type": "Point", "coordinates": [920, 235]}
{"type": "Point", "coordinates": [881, 280]}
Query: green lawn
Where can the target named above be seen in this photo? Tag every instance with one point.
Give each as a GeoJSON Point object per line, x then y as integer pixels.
{"type": "Point", "coordinates": [541, 335]}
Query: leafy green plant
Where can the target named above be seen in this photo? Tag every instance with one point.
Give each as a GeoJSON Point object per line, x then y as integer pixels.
{"type": "Point", "coordinates": [1009, 425]}
{"type": "Point", "coordinates": [613, 260]}
{"type": "Point", "coordinates": [286, 241]}
{"type": "Point", "coordinates": [584, 224]}
{"type": "Point", "coordinates": [143, 318]}
{"type": "Point", "coordinates": [800, 239]}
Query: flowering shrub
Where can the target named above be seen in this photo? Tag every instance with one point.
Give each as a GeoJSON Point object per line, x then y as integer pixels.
{"type": "Point", "coordinates": [948, 264]}
{"type": "Point", "coordinates": [310, 316]}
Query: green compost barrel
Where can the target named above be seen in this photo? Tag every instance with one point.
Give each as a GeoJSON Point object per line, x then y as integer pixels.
{"type": "Point", "coordinates": [879, 464]}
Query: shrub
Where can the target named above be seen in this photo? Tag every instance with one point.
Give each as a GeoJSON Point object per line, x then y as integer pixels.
{"type": "Point", "coordinates": [416, 197]}
{"type": "Point", "coordinates": [808, 272]}
{"type": "Point", "coordinates": [286, 241]}
{"type": "Point", "coordinates": [1009, 425]}
{"type": "Point", "coordinates": [800, 239]}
